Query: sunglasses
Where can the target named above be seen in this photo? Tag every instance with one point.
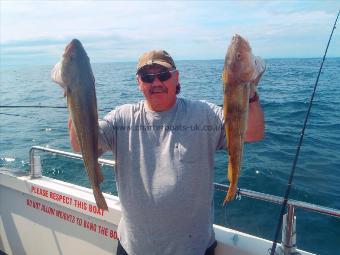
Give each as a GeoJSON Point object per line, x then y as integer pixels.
{"type": "Point", "coordinates": [162, 76]}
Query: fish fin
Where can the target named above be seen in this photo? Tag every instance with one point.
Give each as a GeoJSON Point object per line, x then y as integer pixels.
{"type": "Point", "coordinates": [100, 200]}
{"type": "Point", "coordinates": [56, 75]}
{"type": "Point", "coordinates": [57, 78]}
{"type": "Point", "coordinates": [259, 69]}
{"type": "Point", "coordinates": [67, 91]}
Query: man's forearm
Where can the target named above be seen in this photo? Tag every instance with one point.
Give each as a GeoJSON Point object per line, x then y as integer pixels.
{"type": "Point", "coordinates": [255, 125]}
{"type": "Point", "coordinates": [73, 136]}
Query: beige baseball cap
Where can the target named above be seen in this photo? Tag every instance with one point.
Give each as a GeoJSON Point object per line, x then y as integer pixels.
{"type": "Point", "coordinates": [160, 57]}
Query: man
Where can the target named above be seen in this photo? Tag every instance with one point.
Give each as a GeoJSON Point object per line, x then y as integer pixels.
{"type": "Point", "coordinates": [164, 149]}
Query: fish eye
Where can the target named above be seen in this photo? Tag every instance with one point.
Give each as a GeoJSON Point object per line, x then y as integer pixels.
{"type": "Point", "coordinates": [238, 55]}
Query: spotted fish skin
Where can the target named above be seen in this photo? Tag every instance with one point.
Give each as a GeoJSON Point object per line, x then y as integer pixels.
{"type": "Point", "coordinates": [74, 74]}
{"type": "Point", "coordinates": [241, 71]}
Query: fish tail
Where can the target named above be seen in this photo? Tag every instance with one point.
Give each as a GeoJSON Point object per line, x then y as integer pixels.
{"type": "Point", "coordinates": [233, 183]}
{"type": "Point", "coordinates": [100, 200]}
{"type": "Point", "coordinates": [230, 194]}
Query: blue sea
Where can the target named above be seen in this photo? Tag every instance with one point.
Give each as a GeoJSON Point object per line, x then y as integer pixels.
{"type": "Point", "coordinates": [285, 91]}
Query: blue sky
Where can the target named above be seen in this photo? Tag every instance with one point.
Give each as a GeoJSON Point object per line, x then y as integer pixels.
{"type": "Point", "coordinates": [37, 31]}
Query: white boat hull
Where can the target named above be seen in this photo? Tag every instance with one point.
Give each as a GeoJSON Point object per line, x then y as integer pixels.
{"type": "Point", "coordinates": [47, 216]}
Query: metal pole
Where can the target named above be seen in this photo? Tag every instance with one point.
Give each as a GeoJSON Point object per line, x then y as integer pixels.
{"type": "Point", "coordinates": [279, 200]}
{"type": "Point", "coordinates": [289, 232]}
{"type": "Point", "coordinates": [35, 165]}
{"type": "Point", "coordinates": [31, 154]}
{"type": "Point", "coordinates": [218, 186]}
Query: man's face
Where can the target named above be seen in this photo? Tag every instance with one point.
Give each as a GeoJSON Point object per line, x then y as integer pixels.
{"type": "Point", "coordinates": [160, 95]}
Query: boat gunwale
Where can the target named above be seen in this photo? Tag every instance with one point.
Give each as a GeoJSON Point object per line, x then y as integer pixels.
{"type": "Point", "coordinates": [218, 186]}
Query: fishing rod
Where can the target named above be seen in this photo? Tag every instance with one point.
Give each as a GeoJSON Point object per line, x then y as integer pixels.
{"type": "Point", "coordinates": [23, 116]}
{"type": "Point", "coordinates": [41, 106]}
{"type": "Point", "coordinates": [17, 115]}
{"type": "Point", "coordinates": [33, 106]}
{"type": "Point", "coordinates": [289, 185]}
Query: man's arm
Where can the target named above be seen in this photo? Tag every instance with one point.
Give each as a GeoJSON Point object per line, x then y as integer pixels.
{"type": "Point", "coordinates": [255, 124]}
{"type": "Point", "coordinates": [73, 136]}
{"type": "Point", "coordinates": [74, 141]}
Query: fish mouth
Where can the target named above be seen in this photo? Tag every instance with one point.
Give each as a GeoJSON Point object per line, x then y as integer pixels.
{"type": "Point", "coordinates": [239, 57]}
{"type": "Point", "coordinates": [69, 50]}
{"type": "Point", "coordinates": [236, 39]}
{"type": "Point", "coordinates": [241, 45]}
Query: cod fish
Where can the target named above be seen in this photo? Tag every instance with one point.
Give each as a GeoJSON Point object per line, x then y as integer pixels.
{"type": "Point", "coordinates": [75, 76]}
{"type": "Point", "coordinates": [241, 71]}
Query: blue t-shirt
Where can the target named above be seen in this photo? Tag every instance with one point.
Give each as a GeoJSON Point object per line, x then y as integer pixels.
{"type": "Point", "coordinates": [165, 172]}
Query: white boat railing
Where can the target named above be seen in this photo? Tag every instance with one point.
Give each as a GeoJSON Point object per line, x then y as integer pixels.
{"type": "Point", "coordinates": [289, 223]}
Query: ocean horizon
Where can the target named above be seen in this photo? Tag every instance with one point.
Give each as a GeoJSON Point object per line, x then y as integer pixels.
{"type": "Point", "coordinates": [4, 64]}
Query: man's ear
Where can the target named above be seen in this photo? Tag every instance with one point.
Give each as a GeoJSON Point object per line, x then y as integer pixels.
{"type": "Point", "coordinates": [177, 74]}
{"type": "Point", "coordinates": [138, 82]}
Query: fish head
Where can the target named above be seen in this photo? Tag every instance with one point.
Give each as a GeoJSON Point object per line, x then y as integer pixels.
{"type": "Point", "coordinates": [74, 62]}
{"type": "Point", "coordinates": [241, 66]}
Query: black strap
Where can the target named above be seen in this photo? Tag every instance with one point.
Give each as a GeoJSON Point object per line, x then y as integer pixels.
{"type": "Point", "coordinates": [209, 251]}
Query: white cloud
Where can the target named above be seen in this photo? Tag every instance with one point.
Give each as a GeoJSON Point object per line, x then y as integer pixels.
{"type": "Point", "coordinates": [189, 30]}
